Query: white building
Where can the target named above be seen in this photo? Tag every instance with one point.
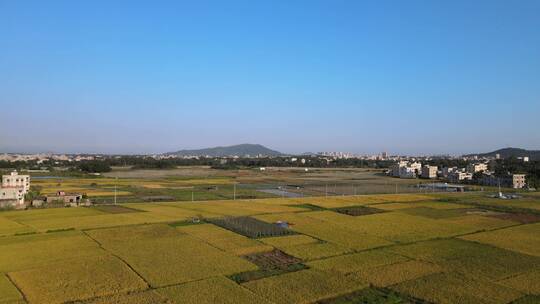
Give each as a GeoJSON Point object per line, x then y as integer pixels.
{"type": "Point", "coordinates": [429, 171]}
{"type": "Point", "coordinates": [407, 172]}
{"type": "Point", "coordinates": [14, 180]}
{"type": "Point", "coordinates": [395, 169]}
{"type": "Point", "coordinates": [14, 188]}
{"type": "Point", "coordinates": [404, 169]}
{"type": "Point", "coordinates": [446, 171]}
{"type": "Point", "coordinates": [473, 168]}
{"type": "Point", "coordinates": [458, 176]}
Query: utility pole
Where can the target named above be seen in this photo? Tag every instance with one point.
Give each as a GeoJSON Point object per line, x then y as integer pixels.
{"type": "Point", "coordinates": [115, 183]}
{"type": "Point", "coordinates": [326, 190]}
{"type": "Point", "coordinates": [234, 191]}
{"type": "Point", "coordinates": [192, 194]}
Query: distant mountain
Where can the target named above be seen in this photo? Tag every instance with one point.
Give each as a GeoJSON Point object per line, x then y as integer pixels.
{"type": "Point", "coordinates": [236, 150]}
{"type": "Point", "coordinates": [512, 152]}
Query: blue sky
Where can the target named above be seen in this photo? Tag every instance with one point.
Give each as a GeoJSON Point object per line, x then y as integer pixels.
{"type": "Point", "coordinates": [410, 77]}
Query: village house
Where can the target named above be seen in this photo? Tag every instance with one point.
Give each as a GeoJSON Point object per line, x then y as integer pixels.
{"type": "Point", "coordinates": [13, 189]}
{"type": "Point", "coordinates": [68, 199]}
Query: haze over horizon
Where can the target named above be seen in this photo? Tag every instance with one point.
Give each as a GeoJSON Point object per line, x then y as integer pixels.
{"type": "Point", "coordinates": [416, 77]}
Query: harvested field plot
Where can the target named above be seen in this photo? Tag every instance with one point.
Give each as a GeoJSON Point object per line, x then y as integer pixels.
{"type": "Point", "coordinates": [524, 218]}
{"type": "Point", "coordinates": [60, 282]}
{"type": "Point", "coordinates": [450, 288]}
{"type": "Point", "coordinates": [273, 259]}
{"type": "Point", "coordinates": [251, 227]}
{"type": "Point", "coordinates": [165, 256]}
{"type": "Point", "coordinates": [270, 263]}
{"type": "Point", "coordinates": [304, 286]}
{"type": "Point", "coordinates": [358, 210]}
{"type": "Point", "coordinates": [218, 290]}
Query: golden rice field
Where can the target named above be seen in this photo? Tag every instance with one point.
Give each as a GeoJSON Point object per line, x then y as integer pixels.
{"type": "Point", "coordinates": [433, 248]}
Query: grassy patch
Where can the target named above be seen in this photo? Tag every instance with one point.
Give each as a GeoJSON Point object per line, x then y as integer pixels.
{"type": "Point", "coordinates": [115, 209]}
{"type": "Point", "coordinates": [265, 272]}
{"type": "Point", "coordinates": [309, 207]}
{"type": "Point", "coordinates": [358, 210]}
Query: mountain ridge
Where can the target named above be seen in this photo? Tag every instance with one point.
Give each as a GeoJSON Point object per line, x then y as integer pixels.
{"type": "Point", "coordinates": [510, 152]}
{"type": "Point", "coordinates": [234, 150]}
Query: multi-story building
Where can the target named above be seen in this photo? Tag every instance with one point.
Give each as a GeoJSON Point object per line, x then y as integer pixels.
{"type": "Point", "coordinates": [416, 166]}
{"type": "Point", "coordinates": [407, 172]}
{"type": "Point", "coordinates": [429, 171]}
{"type": "Point", "coordinates": [459, 176]}
{"type": "Point", "coordinates": [404, 169]}
{"type": "Point", "coordinates": [395, 169]}
{"type": "Point", "coordinates": [447, 171]}
{"type": "Point", "coordinates": [473, 168]}
{"type": "Point", "coordinates": [14, 188]}
{"type": "Point", "coordinates": [516, 181]}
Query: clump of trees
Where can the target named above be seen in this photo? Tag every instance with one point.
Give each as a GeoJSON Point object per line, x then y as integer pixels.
{"type": "Point", "coordinates": [517, 166]}
{"type": "Point", "coordinates": [94, 166]}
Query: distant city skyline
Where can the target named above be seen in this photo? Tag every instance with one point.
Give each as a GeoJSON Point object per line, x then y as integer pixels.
{"type": "Point", "coordinates": [415, 77]}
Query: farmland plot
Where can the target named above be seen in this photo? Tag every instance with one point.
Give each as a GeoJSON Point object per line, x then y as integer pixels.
{"type": "Point", "coordinates": [304, 286]}
{"type": "Point", "coordinates": [61, 282]}
{"type": "Point", "coordinates": [355, 262]}
{"type": "Point", "coordinates": [524, 238]}
{"type": "Point", "coordinates": [8, 292]}
{"type": "Point", "coordinates": [217, 290]}
{"type": "Point", "coordinates": [528, 282]}
{"type": "Point", "coordinates": [144, 297]}
{"type": "Point", "coordinates": [9, 227]}
{"type": "Point", "coordinates": [164, 256]}
{"type": "Point", "coordinates": [470, 258]}
{"type": "Point", "coordinates": [34, 250]}
{"type": "Point", "coordinates": [450, 288]}
{"type": "Point", "coordinates": [386, 275]}
{"type": "Point", "coordinates": [316, 251]}
{"type": "Point", "coordinates": [225, 239]}
{"type": "Point", "coordinates": [327, 231]}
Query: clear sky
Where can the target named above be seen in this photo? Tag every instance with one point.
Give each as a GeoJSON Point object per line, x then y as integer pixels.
{"type": "Point", "coordinates": [155, 76]}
